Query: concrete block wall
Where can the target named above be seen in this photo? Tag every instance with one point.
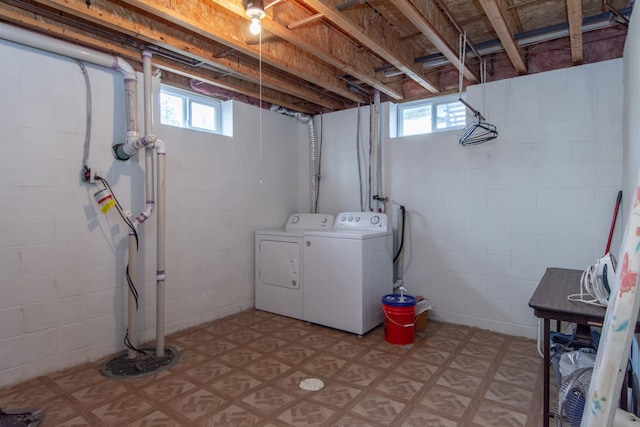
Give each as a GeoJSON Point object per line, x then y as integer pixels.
{"type": "Point", "coordinates": [62, 261]}
{"type": "Point", "coordinates": [484, 222]}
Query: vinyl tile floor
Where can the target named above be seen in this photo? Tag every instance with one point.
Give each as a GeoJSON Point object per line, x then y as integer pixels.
{"type": "Point", "coordinates": [246, 370]}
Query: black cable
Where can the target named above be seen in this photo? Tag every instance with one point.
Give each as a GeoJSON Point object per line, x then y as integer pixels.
{"type": "Point", "coordinates": [319, 165]}
{"type": "Point", "coordinates": [127, 343]}
{"type": "Point", "coordinates": [395, 258]}
{"type": "Point", "coordinates": [132, 286]}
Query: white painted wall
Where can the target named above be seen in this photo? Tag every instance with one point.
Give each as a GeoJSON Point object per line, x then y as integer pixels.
{"type": "Point", "coordinates": [486, 221]}
{"type": "Point", "coordinates": [62, 260]}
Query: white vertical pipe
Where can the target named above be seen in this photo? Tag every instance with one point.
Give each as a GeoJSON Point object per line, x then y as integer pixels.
{"type": "Point", "coordinates": [160, 204]}
{"type": "Point", "coordinates": [160, 274]}
{"type": "Point", "coordinates": [148, 124]}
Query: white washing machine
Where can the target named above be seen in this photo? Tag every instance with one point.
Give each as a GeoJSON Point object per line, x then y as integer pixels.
{"type": "Point", "coordinates": [279, 266]}
{"type": "Point", "coordinates": [347, 272]}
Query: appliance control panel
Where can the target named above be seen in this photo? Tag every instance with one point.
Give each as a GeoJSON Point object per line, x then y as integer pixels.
{"type": "Point", "coordinates": [309, 221]}
{"type": "Point", "coordinates": [361, 221]}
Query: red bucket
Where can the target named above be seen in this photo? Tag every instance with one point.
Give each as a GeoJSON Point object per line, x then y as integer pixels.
{"type": "Point", "coordinates": [399, 318]}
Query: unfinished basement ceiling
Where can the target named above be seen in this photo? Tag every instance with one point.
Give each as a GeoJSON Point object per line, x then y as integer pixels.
{"type": "Point", "coordinates": [317, 56]}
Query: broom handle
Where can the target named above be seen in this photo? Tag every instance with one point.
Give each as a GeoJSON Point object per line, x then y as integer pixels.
{"type": "Point", "coordinates": [613, 222]}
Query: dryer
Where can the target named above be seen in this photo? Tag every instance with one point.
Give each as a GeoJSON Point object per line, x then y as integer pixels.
{"type": "Point", "coordinates": [279, 266]}
{"type": "Point", "coordinates": [347, 272]}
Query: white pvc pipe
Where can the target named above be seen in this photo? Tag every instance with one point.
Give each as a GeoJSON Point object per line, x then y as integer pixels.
{"type": "Point", "coordinates": [60, 47]}
{"type": "Point", "coordinates": [50, 44]}
{"type": "Point", "coordinates": [148, 167]}
{"type": "Point", "coordinates": [160, 148]}
{"type": "Point", "coordinates": [160, 247]}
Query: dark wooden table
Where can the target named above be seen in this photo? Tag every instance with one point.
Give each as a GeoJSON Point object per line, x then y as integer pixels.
{"type": "Point", "coordinates": [550, 302]}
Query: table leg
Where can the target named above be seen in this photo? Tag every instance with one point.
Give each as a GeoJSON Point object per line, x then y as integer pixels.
{"type": "Point", "coordinates": [547, 362]}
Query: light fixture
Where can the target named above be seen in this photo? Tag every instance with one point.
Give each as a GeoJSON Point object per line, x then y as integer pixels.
{"type": "Point", "coordinates": [255, 11]}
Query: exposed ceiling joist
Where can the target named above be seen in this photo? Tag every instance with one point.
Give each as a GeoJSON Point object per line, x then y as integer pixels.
{"type": "Point", "coordinates": [433, 23]}
{"type": "Point", "coordinates": [574, 15]}
{"type": "Point", "coordinates": [501, 21]}
{"type": "Point", "coordinates": [321, 42]}
{"type": "Point", "coordinates": [316, 56]}
{"type": "Point", "coordinates": [213, 21]}
{"type": "Point", "coordinates": [380, 39]}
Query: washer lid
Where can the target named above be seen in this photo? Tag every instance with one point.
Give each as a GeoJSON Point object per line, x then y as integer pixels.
{"type": "Point", "coordinates": [397, 300]}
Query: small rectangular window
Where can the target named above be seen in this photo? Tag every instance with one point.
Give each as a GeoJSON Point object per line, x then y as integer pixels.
{"type": "Point", "coordinates": [432, 115]}
{"type": "Point", "coordinates": [189, 110]}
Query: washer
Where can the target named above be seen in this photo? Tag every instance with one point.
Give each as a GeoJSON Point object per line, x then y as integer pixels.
{"type": "Point", "coordinates": [278, 264]}
{"type": "Point", "coordinates": [347, 272]}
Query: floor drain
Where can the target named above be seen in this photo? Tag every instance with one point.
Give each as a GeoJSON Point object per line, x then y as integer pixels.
{"type": "Point", "coordinates": [311, 384]}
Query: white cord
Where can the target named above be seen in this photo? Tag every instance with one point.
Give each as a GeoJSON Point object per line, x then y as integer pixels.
{"type": "Point", "coordinates": [592, 289]}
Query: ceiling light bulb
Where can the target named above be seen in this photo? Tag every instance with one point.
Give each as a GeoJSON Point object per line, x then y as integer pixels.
{"type": "Point", "coordinates": [255, 26]}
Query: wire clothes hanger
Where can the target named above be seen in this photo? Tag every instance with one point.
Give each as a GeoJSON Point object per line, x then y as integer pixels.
{"type": "Point", "coordinates": [478, 131]}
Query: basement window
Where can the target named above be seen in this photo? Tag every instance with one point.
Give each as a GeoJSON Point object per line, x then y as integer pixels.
{"type": "Point", "coordinates": [429, 116]}
{"type": "Point", "coordinates": [189, 110]}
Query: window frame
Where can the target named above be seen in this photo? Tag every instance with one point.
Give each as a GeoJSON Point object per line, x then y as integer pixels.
{"type": "Point", "coordinates": [433, 103]}
{"type": "Point", "coordinates": [188, 98]}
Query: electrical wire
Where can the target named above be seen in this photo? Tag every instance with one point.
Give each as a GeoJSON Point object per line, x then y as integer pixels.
{"type": "Point", "coordinates": [370, 177]}
{"type": "Point", "coordinates": [395, 258]}
{"type": "Point", "coordinates": [131, 285]}
{"type": "Point", "coordinates": [358, 144]}
{"type": "Point", "coordinates": [319, 164]}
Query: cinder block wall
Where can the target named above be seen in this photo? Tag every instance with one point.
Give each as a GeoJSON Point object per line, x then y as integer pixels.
{"type": "Point", "coordinates": [62, 261]}
{"type": "Point", "coordinates": [485, 222]}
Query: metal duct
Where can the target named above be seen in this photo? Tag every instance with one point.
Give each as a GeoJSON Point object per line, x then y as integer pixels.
{"type": "Point", "coordinates": [314, 151]}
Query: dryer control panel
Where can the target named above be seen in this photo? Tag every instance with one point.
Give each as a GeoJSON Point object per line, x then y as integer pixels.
{"type": "Point", "coordinates": [361, 221]}
{"type": "Point", "coordinates": [309, 221]}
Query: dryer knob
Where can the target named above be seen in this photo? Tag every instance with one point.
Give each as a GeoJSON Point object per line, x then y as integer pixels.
{"type": "Point", "coordinates": [295, 219]}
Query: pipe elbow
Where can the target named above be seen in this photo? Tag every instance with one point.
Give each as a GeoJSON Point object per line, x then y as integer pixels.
{"type": "Point", "coordinates": [146, 213]}
{"type": "Point", "coordinates": [160, 146]}
{"type": "Point", "coordinates": [148, 141]}
{"type": "Point", "coordinates": [125, 68]}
